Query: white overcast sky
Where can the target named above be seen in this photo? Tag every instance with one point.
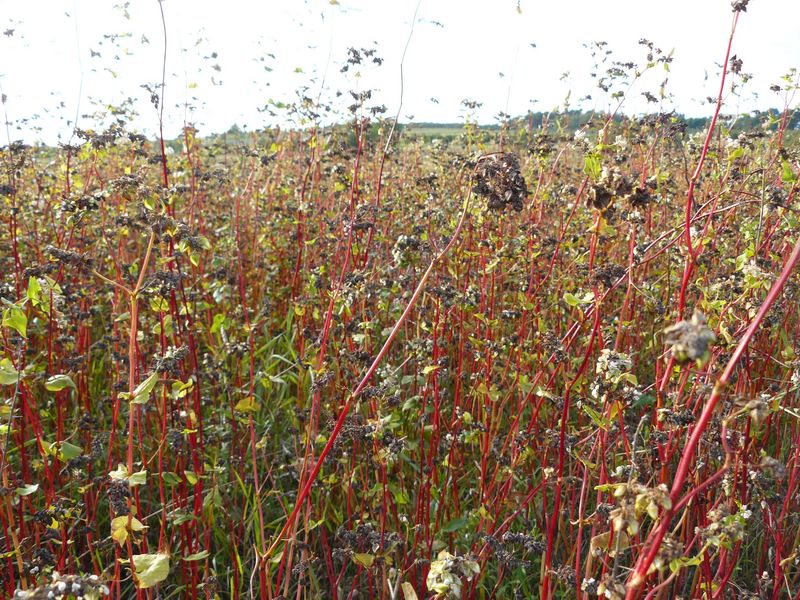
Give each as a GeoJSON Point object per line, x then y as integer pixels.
{"type": "Point", "coordinates": [57, 63]}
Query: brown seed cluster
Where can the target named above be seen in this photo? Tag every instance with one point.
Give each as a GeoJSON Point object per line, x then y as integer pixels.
{"type": "Point", "coordinates": [612, 184]}
{"type": "Point", "coordinates": [499, 180]}
{"type": "Point", "coordinates": [690, 340]}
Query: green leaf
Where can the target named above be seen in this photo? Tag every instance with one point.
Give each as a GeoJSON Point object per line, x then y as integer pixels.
{"type": "Point", "coordinates": [788, 175]}
{"type": "Point", "coordinates": [401, 498]}
{"type": "Point", "coordinates": [454, 525]}
{"type": "Point", "coordinates": [8, 374]}
{"type": "Point", "coordinates": [196, 556]}
{"type": "Point", "coordinates": [219, 320]}
{"type": "Point", "coordinates": [598, 419]}
{"type": "Point", "coordinates": [15, 318]}
{"type": "Point", "coordinates": [591, 166]}
{"type": "Point", "coordinates": [34, 290]}
{"type": "Point", "coordinates": [56, 383]}
{"type": "Point", "coordinates": [142, 392]}
{"type": "Point", "coordinates": [27, 490]}
{"type": "Point", "coordinates": [685, 561]}
{"type": "Point", "coordinates": [150, 569]}
{"type": "Point", "coordinates": [180, 518]}
{"type": "Point", "coordinates": [170, 478]}
{"type": "Point", "coordinates": [644, 401]}
{"type": "Point", "coordinates": [67, 451]}
{"type": "Point", "coordinates": [212, 499]}
{"type": "Point", "coordinates": [571, 299]}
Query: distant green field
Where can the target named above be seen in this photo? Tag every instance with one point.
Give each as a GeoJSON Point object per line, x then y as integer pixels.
{"type": "Point", "coordinates": [432, 131]}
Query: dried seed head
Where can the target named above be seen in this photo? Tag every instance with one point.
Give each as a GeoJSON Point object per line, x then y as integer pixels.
{"type": "Point", "coordinates": [499, 180]}
{"type": "Point", "coordinates": [690, 340]}
{"type": "Point", "coordinates": [740, 5]}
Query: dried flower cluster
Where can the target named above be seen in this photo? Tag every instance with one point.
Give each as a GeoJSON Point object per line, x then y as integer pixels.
{"type": "Point", "coordinates": [498, 179]}
{"type": "Point", "coordinates": [690, 340]}
{"type": "Point", "coordinates": [447, 573]}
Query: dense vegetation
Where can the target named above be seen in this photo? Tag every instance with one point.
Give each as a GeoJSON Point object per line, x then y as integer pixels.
{"type": "Point", "coordinates": [353, 362]}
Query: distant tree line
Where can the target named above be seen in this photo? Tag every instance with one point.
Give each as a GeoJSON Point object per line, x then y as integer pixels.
{"type": "Point", "coordinates": [572, 120]}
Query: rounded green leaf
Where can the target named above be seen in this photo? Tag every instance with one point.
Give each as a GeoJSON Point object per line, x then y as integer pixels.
{"type": "Point", "coordinates": [8, 374]}
{"type": "Point", "coordinates": [27, 490]}
{"type": "Point", "coordinates": [15, 318]}
{"type": "Point", "coordinates": [56, 383]}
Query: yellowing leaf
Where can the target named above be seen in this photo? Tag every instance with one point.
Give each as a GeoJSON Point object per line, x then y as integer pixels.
{"type": "Point", "coordinates": [247, 404]}
{"type": "Point", "coordinates": [150, 569]}
{"type": "Point", "coordinates": [606, 543]}
{"type": "Point", "coordinates": [408, 591]}
{"type": "Point", "coordinates": [119, 528]}
{"type": "Point", "coordinates": [365, 560]}
{"type": "Point", "coordinates": [133, 479]}
{"type": "Point", "coordinates": [138, 478]}
{"type": "Point", "coordinates": [180, 389]}
{"type": "Point", "coordinates": [120, 474]}
{"type": "Point", "coordinates": [142, 392]}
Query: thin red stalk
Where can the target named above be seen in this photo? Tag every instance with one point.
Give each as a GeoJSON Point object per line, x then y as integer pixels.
{"type": "Point", "coordinates": [639, 574]}
{"type": "Point", "coordinates": [362, 384]}
{"type": "Point", "coordinates": [691, 252]}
